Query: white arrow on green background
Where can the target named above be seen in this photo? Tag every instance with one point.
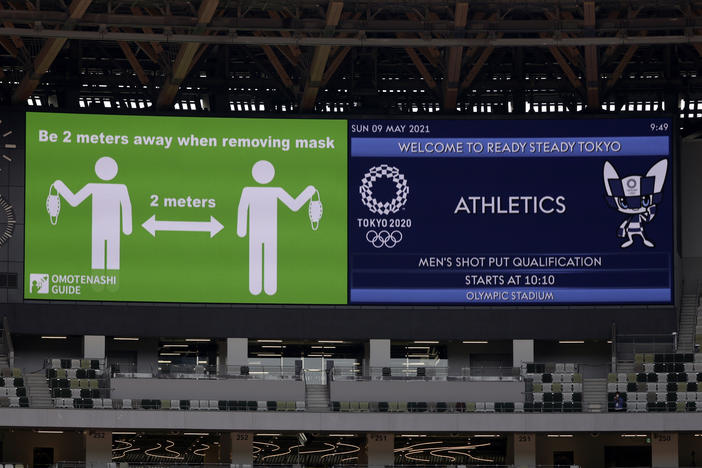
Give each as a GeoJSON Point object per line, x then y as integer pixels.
{"type": "Point", "coordinates": [212, 226]}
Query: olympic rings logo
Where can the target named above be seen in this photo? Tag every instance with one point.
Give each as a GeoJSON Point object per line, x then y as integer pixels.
{"type": "Point", "coordinates": [401, 189]}
{"type": "Point", "coordinates": [384, 238]}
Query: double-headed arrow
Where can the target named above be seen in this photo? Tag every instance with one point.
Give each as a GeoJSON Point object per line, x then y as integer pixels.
{"type": "Point", "coordinates": [212, 226]}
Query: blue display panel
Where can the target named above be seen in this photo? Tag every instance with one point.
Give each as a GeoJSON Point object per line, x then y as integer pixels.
{"type": "Point", "coordinates": [531, 212]}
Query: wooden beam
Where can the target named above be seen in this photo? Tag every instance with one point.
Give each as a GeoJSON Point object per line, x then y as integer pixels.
{"type": "Point", "coordinates": [475, 69]}
{"type": "Point", "coordinates": [567, 70]}
{"type": "Point", "coordinates": [279, 68]}
{"type": "Point", "coordinates": [133, 61]}
{"type": "Point", "coordinates": [455, 59]}
{"type": "Point", "coordinates": [319, 59]}
{"type": "Point", "coordinates": [185, 58]}
{"type": "Point", "coordinates": [592, 79]}
{"type": "Point", "coordinates": [46, 56]}
{"type": "Point", "coordinates": [428, 79]}
{"type": "Point", "coordinates": [334, 65]}
{"type": "Point", "coordinates": [619, 70]}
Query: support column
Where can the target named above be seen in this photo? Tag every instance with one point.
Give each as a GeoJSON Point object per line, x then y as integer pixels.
{"type": "Point", "coordinates": [241, 448]}
{"type": "Point", "coordinates": [664, 450]}
{"type": "Point", "coordinates": [98, 448]}
{"type": "Point", "coordinates": [379, 353]}
{"type": "Point", "coordinates": [147, 355]}
{"type": "Point", "coordinates": [522, 351]}
{"type": "Point", "coordinates": [380, 448]}
{"type": "Point", "coordinates": [524, 450]}
{"type": "Point", "coordinates": [237, 353]}
{"type": "Point", "coordinates": [94, 347]}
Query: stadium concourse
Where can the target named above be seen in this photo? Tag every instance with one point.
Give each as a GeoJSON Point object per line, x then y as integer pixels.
{"type": "Point", "coordinates": [336, 232]}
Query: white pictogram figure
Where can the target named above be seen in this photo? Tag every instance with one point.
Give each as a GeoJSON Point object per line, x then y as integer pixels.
{"type": "Point", "coordinates": [259, 206]}
{"type": "Point", "coordinates": [112, 210]}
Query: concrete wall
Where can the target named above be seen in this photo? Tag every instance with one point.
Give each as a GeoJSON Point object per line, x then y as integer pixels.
{"type": "Point", "coordinates": [417, 390]}
{"type": "Point", "coordinates": [225, 389]}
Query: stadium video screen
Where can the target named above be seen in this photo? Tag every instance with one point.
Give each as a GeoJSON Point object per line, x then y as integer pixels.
{"type": "Point", "coordinates": [521, 212]}
{"type": "Point", "coordinates": [186, 209]}
{"type": "Point", "coordinates": [314, 211]}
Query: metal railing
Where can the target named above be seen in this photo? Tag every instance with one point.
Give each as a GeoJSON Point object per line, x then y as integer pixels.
{"type": "Point", "coordinates": [629, 345]}
{"type": "Point", "coordinates": [189, 371]}
{"type": "Point", "coordinates": [427, 373]}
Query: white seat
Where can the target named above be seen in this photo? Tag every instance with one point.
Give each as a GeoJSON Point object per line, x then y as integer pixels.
{"type": "Point", "coordinates": [213, 405]}
{"type": "Point", "coordinates": [578, 387]}
{"type": "Point", "coordinates": [691, 396]}
{"type": "Point", "coordinates": [480, 407]}
{"type": "Point", "coordinates": [698, 357]}
{"type": "Point", "coordinates": [194, 404]}
{"type": "Point", "coordinates": [567, 396]}
{"type": "Point", "coordinates": [689, 366]}
{"type": "Point", "coordinates": [570, 367]}
{"type": "Point", "coordinates": [611, 387]}
{"type": "Point", "coordinates": [547, 387]}
{"type": "Point", "coordinates": [55, 363]}
{"type": "Point", "coordinates": [107, 403]}
{"type": "Point", "coordinates": [71, 373]}
{"type": "Point", "coordinates": [560, 368]}
{"type": "Point", "coordinates": [660, 397]}
{"type": "Point", "coordinates": [14, 402]}
{"type": "Point", "coordinates": [538, 378]}
{"type": "Point", "coordinates": [682, 396]}
{"type": "Point", "coordinates": [127, 403]}
{"type": "Point", "coordinates": [518, 407]}
{"type": "Point", "coordinates": [75, 363]}
{"type": "Point", "coordinates": [489, 407]}
{"type": "Point", "coordinates": [97, 403]}
{"type": "Point", "coordinates": [662, 377]}
{"type": "Point", "coordinates": [648, 367]}
{"type": "Point", "coordinates": [261, 406]}
{"type": "Point", "coordinates": [175, 404]}
{"type": "Point", "coordinates": [75, 393]}
{"type": "Point", "coordinates": [299, 406]}
{"type": "Point", "coordinates": [538, 398]}
{"type": "Point", "coordinates": [621, 378]}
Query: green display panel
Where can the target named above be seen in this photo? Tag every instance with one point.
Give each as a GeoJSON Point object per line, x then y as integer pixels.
{"type": "Point", "coordinates": [185, 209]}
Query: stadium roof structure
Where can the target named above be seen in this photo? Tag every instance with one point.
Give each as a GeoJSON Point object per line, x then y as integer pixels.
{"type": "Point", "coordinates": [353, 56]}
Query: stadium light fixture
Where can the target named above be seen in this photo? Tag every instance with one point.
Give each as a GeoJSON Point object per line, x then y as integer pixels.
{"type": "Point", "coordinates": [275, 434]}
{"type": "Point", "coordinates": [124, 433]}
{"type": "Point", "coordinates": [559, 435]}
{"type": "Point", "coordinates": [487, 436]}
{"type": "Point", "coordinates": [53, 337]}
{"type": "Point", "coordinates": [196, 433]}
{"type": "Point", "coordinates": [175, 346]}
{"type": "Point", "coordinates": [198, 340]}
{"type": "Point", "coordinates": [45, 431]}
{"type": "Point", "coordinates": [164, 361]}
{"type": "Point", "coordinates": [474, 342]}
{"type": "Point", "coordinates": [330, 341]}
{"type": "Point", "coordinates": [124, 338]}
{"type": "Point", "coordinates": [571, 341]}
{"type": "Point", "coordinates": [426, 342]}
